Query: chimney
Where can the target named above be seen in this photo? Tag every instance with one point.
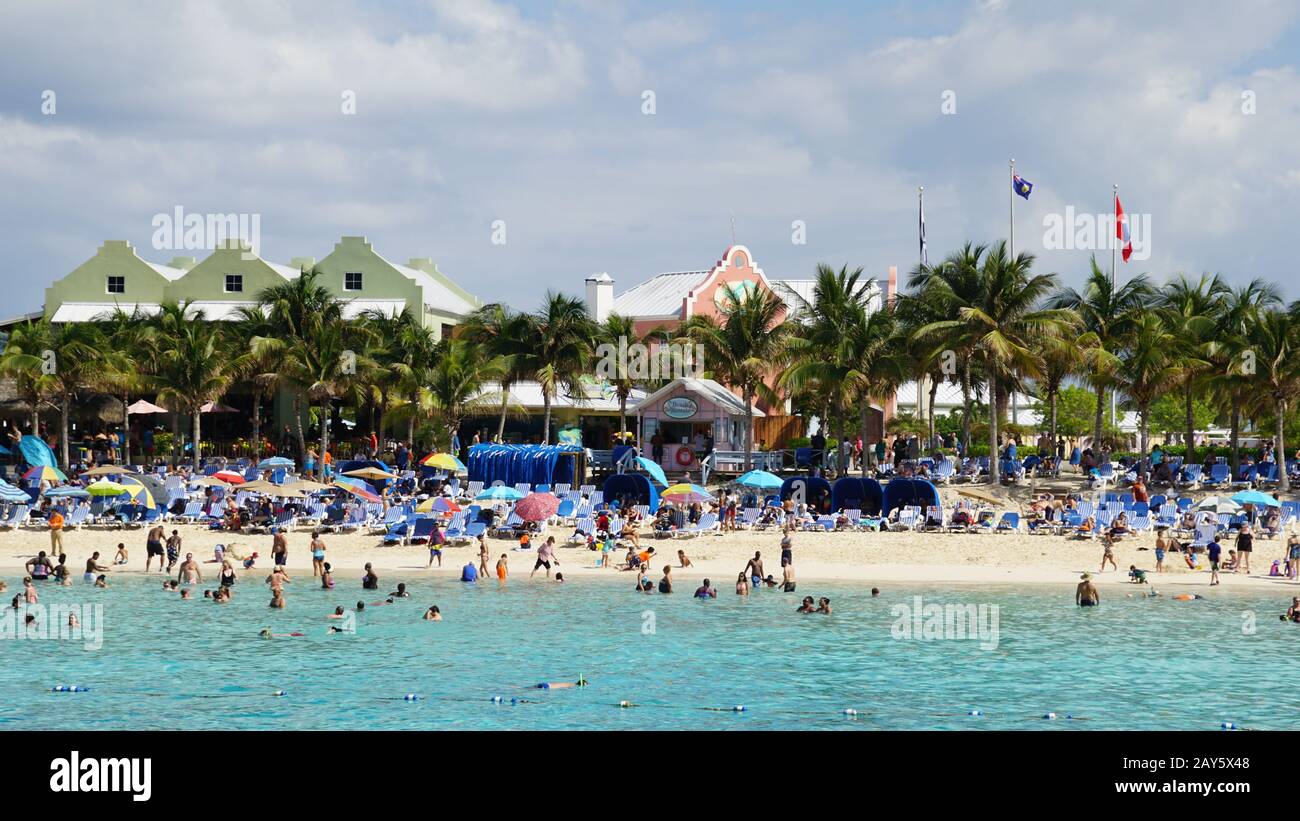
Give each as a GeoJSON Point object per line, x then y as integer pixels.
{"type": "Point", "coordinates": [600, 296]}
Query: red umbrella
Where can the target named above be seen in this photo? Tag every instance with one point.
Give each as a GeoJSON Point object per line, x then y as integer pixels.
{"type": "Point", "coordinates": [229, 476]}
{"type": "Point", "coordinates": [537, 507]}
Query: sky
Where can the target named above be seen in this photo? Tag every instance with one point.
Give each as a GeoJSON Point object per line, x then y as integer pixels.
{"type": "Point", "coordinates": [524, 147]}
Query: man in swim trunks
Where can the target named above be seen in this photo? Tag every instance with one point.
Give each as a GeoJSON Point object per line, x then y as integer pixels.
{"type": "Point", "coordinates": [1212, 552]}
{"type": "Point", "coordinates": [1086, 594]}
{"type": "Point", "coordinates": [502, 569]}
{"type": "Point", "coordinates": [279, 548]}
{"type": "Point", "coordinates": [93, 567]}
{"type": "Point", "coordinates": [370, 581]}
{"type": "Point", "coordinates": [787, 578]}
{"type": "Point", "coordinates": [189, 572]}
{"type": "Point", "coordinates": [755, 569]}
{"type": "Point", "coordinates": [545, 555]}
{"type": "Point", "coordinates": [154, 547]}
{"type": "Point", "coordinates": [173, 549]}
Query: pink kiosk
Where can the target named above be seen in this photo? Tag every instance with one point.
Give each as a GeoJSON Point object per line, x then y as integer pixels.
{"type": "Point", "coordinates": [673, 422]}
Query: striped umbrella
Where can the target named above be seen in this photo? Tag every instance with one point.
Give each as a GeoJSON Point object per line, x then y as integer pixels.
{"type": "Point", "coordinates": [45, 473]}
{"type": "Point", "coordinates": [685, 493]}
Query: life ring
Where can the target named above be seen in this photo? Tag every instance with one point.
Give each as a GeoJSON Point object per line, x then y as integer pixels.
{"type": "Point", "coordinates": [685, 457]}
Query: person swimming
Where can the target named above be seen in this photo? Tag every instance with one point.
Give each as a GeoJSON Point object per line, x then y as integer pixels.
{"type": "Point", "coordinates": [806, 606]}
{"type": "Point", "coordinates": [400, 592]}
{"type": "Point", "coordinates": [433, 614]}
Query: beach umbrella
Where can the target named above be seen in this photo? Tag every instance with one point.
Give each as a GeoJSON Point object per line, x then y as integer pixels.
{"type": "Point", "coordinates": [537, 507]}
{"type": "Point", "coordinates": [13, 494]}
{"type": "Point", "coordinates": [685, 493]}
{"type": "Point", "coordinates": [371, 472]}
{"type": "Point", "coordinates": [67, 492]}
{"type": "Point", "coordinates": [1218, 504]}
{"type": "Point", "coordinates": [359, 492]}
{"type": "Point", "coordinates": [499, 493]}
{"type": "Point", "coordinates": [213, 407]}
{"type": "Point", "coordinates": [274, 462]}
{"type": "Point", "coordinates": [107, 470]}
{"type": "Point", "coordinates": [444, 461]}
{"type": "Point", "coordinates": [437, 504]}
{"type": "Point", "coordinates": [142, 407]}
{"type": "Point", "coordinates": [306, 486]}
{"type": "Point", "coordinates": [208, 481]}
{"type": "Point", "coordinates": [271, 488]}
{"type": "Point", "coordinates": [105, 488]}
{"type": "Point", "coordinates": [652, 467]}
{"type": "Point", "coordinates": [760, 479]}
{"type": "Point", "coordinates": [45, 473]}
{"type": "Point", "coordinates": [230, 477]}
{"type": "Point", "coordinates": [138, 492]}
{"type": "Point", "coordinates": [1255, 497]}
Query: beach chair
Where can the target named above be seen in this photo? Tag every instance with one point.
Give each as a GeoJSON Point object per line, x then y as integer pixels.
{"type": "Point", "coordinates": [394, 515]}
{"type": "Point", "coordinates": [523, 487]}
{"type": "Point", "coordinates": [396, 533]}
{"type": "Point", "coordinates": [565, 511]}
{"type": "Point", "coordinates": [1010, 522]}
{"type": "Point", "coordinates": [420, 531]}
{"type": "Point", "coordinates": [597, 498]}
{"type": "Point", "coordinates": [473, 489]}
{"type": "Point", "coordinates": [1188, 478]}
{"type": "Point", "coordinates": [1245, 477]}
{"type": "Point", "coordinates": [748, 518]}
{"type": "Point", "coordinates": [18, 516]}
{"type": "Point", "coordinates": [906, 519]}
{"type": "Point", "coordinates": [455, 531]}
{"type": "Point", "coordinates": [708, 523]}
{"type": "Point", "coordinates": [1267, 475]}
{"type": "Point", "coordinates": [933, 518]}
{"type": "Point", "coordinates": [1219, 475]}
{"type": "Point", "coordinates": [944, 471]}
{"type": "Point", "coordinates": [562, 489]}
{"type": "Point", "coordinates": [76, 517]}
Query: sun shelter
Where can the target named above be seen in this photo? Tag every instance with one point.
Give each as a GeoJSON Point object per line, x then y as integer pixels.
{"type": "Point", "coordinates": [905, 492]}
{"type": "Point", "coordinates": [636, 485]}
{"type": "Point", "coordinates": [534, 464]}
{"type": "Point", "coordinates": [815, 490]}
{"type": "Point", "coordinates": [858, 493]}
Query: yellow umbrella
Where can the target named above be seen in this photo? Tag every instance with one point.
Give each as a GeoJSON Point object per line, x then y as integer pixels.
{"type": "Point", "coordinates": [105, 488]}
{"type": "Point", "coordinates": [371, 472]}
{"type": "Point", "coordinates": [444, 461]}
{"type": "Point", "coordinates": [139, 493]}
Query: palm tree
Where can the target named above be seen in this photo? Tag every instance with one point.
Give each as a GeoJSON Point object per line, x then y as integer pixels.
{"type": "Point", "coordinates": [743, 349]}
{"type": "Point", "coordinates": [1149, 367]}
{"type": "Point", "coordinates": [1275, 340]}
{"type": "Point", "coordinates": [77, 348]}
{"type": "Point", "coordinates": [1233, 357]}
{"type": "Point", "coordinates": [506, 334]}
{"type": "Point", "coordinates": [455, 382]}
{"type": "Point", "coordinates": [1001, 326]}
{"type": "Point", "coordinates": [1108, 313]}
{"type": "Point", "coordinates": [128, 338]}
{"type": "Point", "coordinates": [1191, 311]}
{"type": "Point", "coordinates": [405, 351]}
{"type": "Point", "coordinates": [561, 350]}
{"type": "Point", "coordinates": [24, 360]}
{"type": "Point", "coordinates": [260, 372]}
{"type": "Point", "coordinates": [195, 368]}
{"type": "Point", "coordinates": [617, 332]}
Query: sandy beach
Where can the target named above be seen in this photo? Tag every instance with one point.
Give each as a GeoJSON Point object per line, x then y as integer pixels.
{"type": "Point", "coordinates": [870, 558]}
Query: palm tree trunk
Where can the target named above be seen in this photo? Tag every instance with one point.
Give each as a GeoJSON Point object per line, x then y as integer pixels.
{"type": "Point", "coordinates": [505, 402]}
{"type": "Point", "coordinates": [297, 426]}
{"type": "Point", "coordinates": [622, 416]}
{"type": "Point", "coordinates": [863, 415]}
{"type": "Point", "coordinates": [934, 391]}
{"type": "Point", "coordinates": [1054, 393]}
{"type": "Point", "coordinates": [749, 428]}
{"type": "Point", "coordinates": [325, 429]}
{"type": "Point", "coordinates": [63, 430]}
{"type": "Point", "coordinates": [546, 418]}
{"type": "Point", "coordinates": [842, 466]}
{"type": "Point", "coordinates": [1236, 429]}
{"type": "Point", "coordinates": [1096, 422]}
{"type": "Point", "coordinates": [126, 432]}
{"type": "Point", "coordinates": [410, 431]}
{"type": "Point", "coordinates": [176, 438]}
{"type": "Point", "coordinates": [1144, 457]}
{"type": "Point", "coordinates": [257, 427]}
{"type": "Point", "coordinates": [965, 407]}
{"type": "Point", "coordinates": [1189, 458]}
{"type": "Point", "coordinates": [994, 466]}
{"type": "Point", "coordinates": [1279, 450]}
{"type": "Point", "coordinates": [197, 422]}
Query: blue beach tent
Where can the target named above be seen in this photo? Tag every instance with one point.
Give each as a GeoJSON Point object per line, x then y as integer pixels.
{"type": "Point", "coordinates": [857, 493]}
{"type": "Point", "coordinates": [904, 492]}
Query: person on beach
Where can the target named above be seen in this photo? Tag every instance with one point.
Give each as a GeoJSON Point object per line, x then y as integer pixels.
{"type": "Point", "coordinates": [121, 557]}
{"type": "Point", "coordinates": [755, 569]}
{"type": "Point", "coordinates": [279, 548]}
{"type": "Point", "coordinates": [317, 554]}
{"type": "Point", "coordinates": [1245, 544]}
{"type": "Point", "coordinates": [278, 579]}
{"type": "Point", "coordinates": [1293, 612]}
{"type": "Point", "coordinates": [482, 556]}
{"type": "Point", "coordinates": [1137, 576]}
{"type": "Point", "coordinates": [787, 549]}
{"type": "Point", "coordinates": [705, 591]}
{"type": "Point", "coordinates": [227, 576]}
{"type": "Point", "coordinates": [1086, 594]}
{"type": "Point", "coordinates": [742, 585]}
{"type": "Point", "coordinates": [189, 571]}
{"type": "Point", "coordinates": [545, 555]}
{"type": "Point", "coordinates": [173, 549]}
{"type": "Point", "coordinates": [502, 568]}
{"type": "Point", "coordinates": [1292, 556]}
{"type": "Point", "coordinates": [29, 591]}
{"type": "Point", "coordinates": [400, 592]}
{"type": "Point", "coordinates": [370, 579]}
{"type": "Point", "coordinates": [101, 581]}
{"type": "Point", "coordinates": [1212, 552]}
{"type": "Point", "coordinates": [153, 546]}
{"type": "Point", "coordinates": [55, 522]}
{"type": "Point", "coordinates": [93, 568]}
{"type": "Point", "coordinates": [469, 573]}
{"type": "Point", "coordinates": [683, 561]}
{"type": "Point", "coordinates": [1108, 554]}
{"type": "Point", "coordinates": [1161, 546]}
{"type": "Point", "coordinates": [824, 606]}
{"type": "Point", "coordinates": [277, 598]}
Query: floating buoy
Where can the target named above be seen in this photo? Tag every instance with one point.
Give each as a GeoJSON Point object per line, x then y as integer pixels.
{"type": "Point", "coordinates": [497, 699]}
{"type": "Point", "coordinates": [1049, 716]}
{"type": "Point", "coordinates": [410, 697]}
{"type": "Point", "coordinates": [849, 711]}
{"type": "Point", "coordinates": [739, 708]}
{"type": "Point", "coordinates": [976, 712]}
{"type": "Point", "coordinates": [69, 688]}
{"type": "Point", "coordinates": [1228, 725]}
{"type": "Point", "coordinates": [279, 693]}
{"type": "Point", "coordinates": [626, 704]}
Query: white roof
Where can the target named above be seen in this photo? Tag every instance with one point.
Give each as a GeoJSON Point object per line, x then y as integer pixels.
{"type": "Point", "coordinates": [286, 271]}
{"type": "Point", "coordinates": [88, 311]}
{"type": "Point", "coordinates": [713, 391]}
{"type": "Point", "coordinates": [661, 295]}
{"type": "Point", "coordinates": [168, 273]}
{"type": "Point", "coordinates": [529, 395]}
{"type": "Point", "coordinates": [216, 310]}
{"type": "Point", "coordinates": [436, 295]}
{"type": "Point", "coordinates": [352, 308]}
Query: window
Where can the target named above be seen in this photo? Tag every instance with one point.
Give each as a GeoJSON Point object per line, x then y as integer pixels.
{"type": "Point", "coordinates": [352, 281]}
{"type": "Point", "coordinates": [234, 283]}
{"type": "Point", "coordinates": [116, 285]}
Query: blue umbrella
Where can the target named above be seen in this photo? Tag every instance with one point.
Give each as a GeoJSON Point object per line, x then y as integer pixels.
{"type": "Point", "coordinates": [274, 462]}
{"type": "Point", "coordinates": [65, 491]}
{"type": "Point", "coordinates": [1254, 497]}
{"type": "Point", "coordinates": [652, 468]}
{"type": "Point", "coordinates": [760, 479]}
{"type": "Point", "coordinates": [499, 493]}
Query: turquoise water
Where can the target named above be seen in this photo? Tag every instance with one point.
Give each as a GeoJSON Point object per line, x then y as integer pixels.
{"type": "Point", "coordinates": [1130, 664]}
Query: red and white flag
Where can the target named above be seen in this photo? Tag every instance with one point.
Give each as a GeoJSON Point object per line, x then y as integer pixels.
{"type": "Point", "coordinates": [1121, 230]}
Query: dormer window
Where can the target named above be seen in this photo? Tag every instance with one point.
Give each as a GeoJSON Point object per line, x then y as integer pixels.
{"type": "Point", "coordinates": [352, 281]}
{"type": "Point", "coordinates": [116, 284]}
{"type": "Point", "coordinates": [234, 283]}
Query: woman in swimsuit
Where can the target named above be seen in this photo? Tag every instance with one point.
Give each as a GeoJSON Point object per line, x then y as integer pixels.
{"type": "Point", "coordinates": [317, 554]}
{"type": "Point", "coordinates": [327, 578]}
{"type": "Point", "coordinates": [227, 574]}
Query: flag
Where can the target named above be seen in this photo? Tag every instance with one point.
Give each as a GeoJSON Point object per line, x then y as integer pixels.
{"type": "Point", "coordinates": [925, 258]}
{"type": "Point", "coordinates": [1121, 230]}
{"type": "Point", "coordinates": [1021, 186]}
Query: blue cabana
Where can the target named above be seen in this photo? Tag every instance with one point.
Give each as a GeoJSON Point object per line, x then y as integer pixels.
{"type": "Point", "coordinates": [534, 464]}
{"type": "Point", "coordinates": [816, 491]}
{"type": "Point", "coordinates": [857, 493]}
{"type": "Point", "coordinates": [632, 484]}
{"type": "Point", "coordinates": [904, 492]}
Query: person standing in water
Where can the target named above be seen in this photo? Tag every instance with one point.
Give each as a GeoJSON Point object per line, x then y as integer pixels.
{"type": "Point", "coordinates": [279, 548]}
{"type": "Point", "coordinates": [189, 572]}
{"type": "Point", "coordinates": [545, 555]}
{"type": "Point", "coordinates": [153, 546]}
{"type": "Point", "coordinates": [483, 556]}
{"type": "Point", "coordinates": [502, 568]}
{"type": "Point", "coordinates": [1086, 594]}
{"type": "Point", "coordinates": [317, 554]}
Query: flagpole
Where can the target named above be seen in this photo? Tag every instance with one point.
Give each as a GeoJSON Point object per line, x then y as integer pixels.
{"type": "Point", "coordinates": [1011, 200]}
{"type": "Point", "coordinates": [920, 196]}
{"type": "Point", "coordinates": [1114, 246]}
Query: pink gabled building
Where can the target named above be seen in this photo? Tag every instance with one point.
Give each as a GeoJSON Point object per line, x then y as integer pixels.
{"type": "Point", "coordinates": [666, 300]}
